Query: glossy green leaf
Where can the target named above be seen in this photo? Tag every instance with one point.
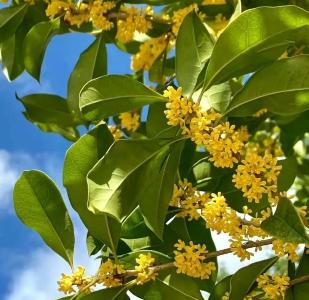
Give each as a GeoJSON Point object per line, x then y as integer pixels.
{"type": "Point", "coordinates": [193, 48]}
{"type": "Point", "coordinates": [10, 19]}
{"type": "Point", "coordinates": [93, 245]}
{"type": "Point", "coordinates": [35, 44]}
{"type": "Point", "coordinates": [116, 293]}
{"type": "Point", "coordinates": [286, 224]}
{"type": "Point", "coordinates": [92, 63]}
{"type": "Point", "coordinates": [114, 181]}
{"type": "Point", "coordinates": [284, 94]}
{"type": "Point", "coordinates": [221, 288]}
{"type": "Point", "coordinates": [245, 278]}
{"type": "Point", "coordinates": [39, 205]}
{"type": "Point", "coordinates": [79, 160]}
{"type": "Point", "coordinates": [156, 119]}
{"type": "Point", "coordinates": [161, 171]}
{"type": "Point", "coordinates": [112, 94]}
{"type": "Point", "coordinates": [258, 36]}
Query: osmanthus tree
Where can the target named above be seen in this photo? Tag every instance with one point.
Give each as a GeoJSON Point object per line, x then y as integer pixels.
{"type": "Point", "coordinates": [223, 91]}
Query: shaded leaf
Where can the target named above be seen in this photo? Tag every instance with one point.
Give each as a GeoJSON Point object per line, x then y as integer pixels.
{"type": "Point", "coordinates": [35, 44]}
{"type": "Point", "coordinates": [39, 205]}
{"type": "Point", "coordinates": [286, 224]}
{"type": "Point", "coordinates": [221, 288]}
{"type": "Point", "coordinates": [92, 63]}
{"type": "Point", "coordinates": [79, 160]}
{"type": "Point", "coordinates": [301, 291]}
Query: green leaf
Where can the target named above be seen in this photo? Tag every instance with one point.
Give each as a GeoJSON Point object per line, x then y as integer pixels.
{"type": "Point", "coordinates": [170, 285]}
{"type": "Point", "coordinates": [156, 119]}
{"type": "Point", "coordinates": [39, 205]}
{"type": "Point", "coordinates": [284, 94]}
{"type": "Point", "coordinates": [287, 174]}
{"type": "Point", "coordinates": [112, 94]}
{"type": "Point", "coordinates": [262, 34]}
{"type": "Point", "coordinates": [114, 181]}
{"type": "Point", "coordinates": [79, 160]}
{"type": "Point", "coordinates": [35, 44]}
{"type": "Point", "coordinates": [92, 63]}
{"type": "Point", "coordinates": [115, 293]}
{"type": "Point", "coordinates": [286, 224]}
{"type": "Point", "coordinates": [11, 54]}
{"type": "Point", "coordinates": [193, 48]}
{"type": "Point", "coordinates": [245, 278]}
{"type": "Point", "coordinates": [93, 245]}
{"type": "Point", "coordinates": [161, 171]}
{"type": "Point", "coordinates": [301, 290]}
{"type": "Point", "coordinates": [221, 288]}
{"type": "Point", "coordinates": [10, 19]}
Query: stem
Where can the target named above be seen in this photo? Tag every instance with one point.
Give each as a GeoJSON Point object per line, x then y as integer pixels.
{"type": "Point", "coordinates": [299, 280]}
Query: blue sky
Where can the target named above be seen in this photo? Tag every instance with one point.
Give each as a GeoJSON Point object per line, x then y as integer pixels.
{"type": "Point", "coordinates": [29, 270]}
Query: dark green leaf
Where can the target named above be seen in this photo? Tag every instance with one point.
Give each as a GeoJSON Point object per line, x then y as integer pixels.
{"type": "Point", "coordinates": [286, 224]}
{"type": "Point", "coordinates": [35, 44]}
{"type": "Point", "coordinates": [221, 288]}
{"type": "Point", "coordinates": [112, 94]}
{"type": "Point", "coordinates": [92, 63]}
{"type": "Point", "coordinates": [284, 94]}
{"type": "Point", "coordinates": [116, 293]}
{"type": "Point", "coordinates": [10, 19]}
{"type": "Point", "coordinates": [256, 37]}
{"type": "Point", "coordinates": [193, 48]}
{"type": "Point", "coordinates": [245, 278]}
{"type": "Point", "coordinates": [80, 158]}
{"type": "Point", "coordinates": [93, 245]}
{"type": "Point", "coordinates": [301, 291]}
{"type": "Point", "coordinates": [39, 205]}
{"type": "Point", "coordinates": [287, 174]}
{"type": "Point", "coordinates": [156, 119]}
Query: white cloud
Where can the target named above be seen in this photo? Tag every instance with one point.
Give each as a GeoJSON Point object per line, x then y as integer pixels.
{"type": "Point", "coordinates": [11, 166]}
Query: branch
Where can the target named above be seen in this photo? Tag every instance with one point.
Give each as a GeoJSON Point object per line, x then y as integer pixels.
{"type": "Point", "coordinates": [299, 280]}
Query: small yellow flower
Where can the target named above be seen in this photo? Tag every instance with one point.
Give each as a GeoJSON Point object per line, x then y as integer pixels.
{"type": "Point", "coordinates": [282, 248]}
{"type": "Point", "coordinates": [180, 14]}
{"type": "Point", "coordinates": [130, 121]}
{"type": "Point", "coordinates": [189, 260]}
{"type": "Point", "coordinates": [144, 264]}
{"type": "Point", "coordinates": [274, 287]}
{"type": "Point", "coordinates": [98, 14]}
{"type": "Point", "coordinates": [116, 132]}
{"type": "Point", "coordinates": [109, 272]}
{"type": "Point", "coordinates": [214, 2]}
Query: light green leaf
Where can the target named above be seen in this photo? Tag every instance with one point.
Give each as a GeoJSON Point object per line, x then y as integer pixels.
{"type": "Point", "coordinates": [35, 44]}
{"type": "Point", "coordinates": [39, 205]}
{"type": "Point", "coordinates": [161, 171]}
{"type": "Point", "coordinates": [286, 224]}
{"type": "Point", "coordinates": [156, 119]}
{"type": "Point", "coordinates": [287, 93]}
{"type": "Point", "coordinates": [287, 174]}
{"type": "Point", "coordinates": [114, 181]}
{"type": "Point", "coordinates": [116, 293]}
{"type": "Point", "coordinates": [112, 94]}
{"type": "Point", "coordinates": [10, 19]}
{"type": "Point", "coordinates": [193, 48]}
{"type": "Point", "coordinates": [92, 63]}
{"type": "Point", "coordinates": [245, 278]}
{"type": "Point", "coordinates": [258, 36]}
{"type": "Point", "coordinates": [79, 160]}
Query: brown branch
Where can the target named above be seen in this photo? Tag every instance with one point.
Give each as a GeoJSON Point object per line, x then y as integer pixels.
{"type": "Point", "coordinates": [299, 280]}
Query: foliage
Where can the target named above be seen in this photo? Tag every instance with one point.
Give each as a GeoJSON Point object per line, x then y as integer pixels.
{"type": "Point", "coordinates": [208, 134]}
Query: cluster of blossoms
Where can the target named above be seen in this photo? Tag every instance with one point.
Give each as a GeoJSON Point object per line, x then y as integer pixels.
{"type": "Point", "coordinates": [144, 271]}
{"type": "Point", "coordinates": [190, 260]}
{"type": "Point", "coordinates": [110, 274]}
{"type": "Point", "coordinates": [274, 287]}
{"type": "Point", "coordinates": [224, 142]}
{"type": "Point", "coordinates": [69, 283]}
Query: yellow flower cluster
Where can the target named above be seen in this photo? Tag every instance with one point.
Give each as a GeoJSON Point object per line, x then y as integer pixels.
{"type": "Point", "coordinates": [226, 296]}
{"type": "Point", "coordinates": [274, 287]}
{"type": "Point", "coordinates": [143, 268]}
{"type": "Point", "coordinates": [109, 274]}
{"type": "Point", "coordinates": [189, 199]}
{"type": "Point", "coordinates": [224, 142]}
{"type": "Point", "coordinates": [189, 260]}
{"type": "Point", "coordinates": [130, 121]}
{"type": "Point", "coordinates": [135, 20]}
{"type": "Point", "coordinates": [260, 113]}
{"type": "Point", "coordinates": [214, 2]}
{"type": "Point", "coordinates": [179, 15]}
{"type": "Point", "coordinates": [79, 13]}
{"type": "Point", "coordinates": [257, 175]}
{"type": "Point", "coordinates": [68, 283]}
{"type": "Point", "coordinates": [116, 132]}
{"type": "Point", "coordinates": [282, 248]}
{"type": "Point", "coordinates": [148, 53]}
